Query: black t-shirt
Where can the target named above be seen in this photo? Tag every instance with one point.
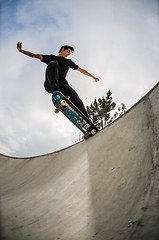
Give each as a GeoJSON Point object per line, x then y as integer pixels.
{"type": "Point", "coordinates": [64, 65]}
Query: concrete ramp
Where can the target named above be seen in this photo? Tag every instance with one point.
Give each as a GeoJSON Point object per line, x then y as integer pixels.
{"type": "Point", "coordinates": [106, 188]}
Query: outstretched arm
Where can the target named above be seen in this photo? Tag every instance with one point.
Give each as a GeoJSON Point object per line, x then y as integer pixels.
{"type": "Point", "coordinates": [87, 74]}
{"type": "Point", "coordinates": [30, 54]}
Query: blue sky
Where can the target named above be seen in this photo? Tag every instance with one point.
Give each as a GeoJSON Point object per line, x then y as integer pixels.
{"type": "Point", "coordinates": [115, 40]}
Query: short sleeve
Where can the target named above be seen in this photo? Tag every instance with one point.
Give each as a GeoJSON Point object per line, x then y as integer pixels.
{"type": "Point", "coordinates": [73, 65]}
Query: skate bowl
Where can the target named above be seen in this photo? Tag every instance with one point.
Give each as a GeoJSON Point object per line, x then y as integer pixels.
{"type": "Point", "coordinates": [106, 188]}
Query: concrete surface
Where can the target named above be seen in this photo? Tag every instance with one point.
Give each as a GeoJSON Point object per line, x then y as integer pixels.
{"type": "Point", "coordinates": [106, 188]}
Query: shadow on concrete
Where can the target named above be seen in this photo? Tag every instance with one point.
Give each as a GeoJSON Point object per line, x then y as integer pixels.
{"type": "Point", "coordinates": [124, 175]}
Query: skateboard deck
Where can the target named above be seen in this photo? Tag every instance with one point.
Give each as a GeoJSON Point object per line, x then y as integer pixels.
{"type": "Point", "coordinates": [64, 105]}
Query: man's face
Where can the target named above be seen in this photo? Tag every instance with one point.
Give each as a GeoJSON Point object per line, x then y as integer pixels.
{"type": "Point", "coordinates": [65, 53]}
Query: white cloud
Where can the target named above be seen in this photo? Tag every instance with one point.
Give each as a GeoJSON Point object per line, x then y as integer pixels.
{"type": "Point", "coordinates": [116, 41]}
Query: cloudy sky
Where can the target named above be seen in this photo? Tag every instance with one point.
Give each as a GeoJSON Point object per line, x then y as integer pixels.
{"type": "Point", "coordinates": [115, 40]}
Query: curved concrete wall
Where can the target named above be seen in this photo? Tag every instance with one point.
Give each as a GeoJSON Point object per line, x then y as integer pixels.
{"type": "Point", "coordinates": [103, 189]}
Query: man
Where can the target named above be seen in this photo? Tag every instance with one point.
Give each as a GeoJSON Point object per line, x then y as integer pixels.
{"type": "Point", "coordinates": [56, 71]}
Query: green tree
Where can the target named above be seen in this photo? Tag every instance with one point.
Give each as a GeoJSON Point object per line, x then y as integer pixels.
{"type": "Point", "coordinates": [99, 111]}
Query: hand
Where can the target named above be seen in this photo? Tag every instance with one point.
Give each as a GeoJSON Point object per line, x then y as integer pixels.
{"type": "Point", "coordinates": [19, 46]}
{"type": "Point", "coordinates": [96, 79]}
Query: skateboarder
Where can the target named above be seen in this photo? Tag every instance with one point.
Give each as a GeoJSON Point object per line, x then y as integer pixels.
{"type": "Point", "coordinates": [56, 71]}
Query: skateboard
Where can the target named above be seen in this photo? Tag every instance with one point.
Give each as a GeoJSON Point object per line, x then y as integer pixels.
{"type": "Point", "coordinates": [64, 105]}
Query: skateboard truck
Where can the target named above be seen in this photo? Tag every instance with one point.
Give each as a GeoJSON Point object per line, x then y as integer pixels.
{"type": "Point", "coordinates": [61, 107]}
{"type": "Point", "coordinates": [88, 133]}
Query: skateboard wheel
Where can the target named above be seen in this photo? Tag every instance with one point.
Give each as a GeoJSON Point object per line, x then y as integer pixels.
{"type": "Point", "coordinates": [63, 103]}
{"type": "Point", "coordinates": [93, 131]}
{"type": "Point", "coordinates": [84, 138]}
{"type": "Point", "coordinates": [56, 111]}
